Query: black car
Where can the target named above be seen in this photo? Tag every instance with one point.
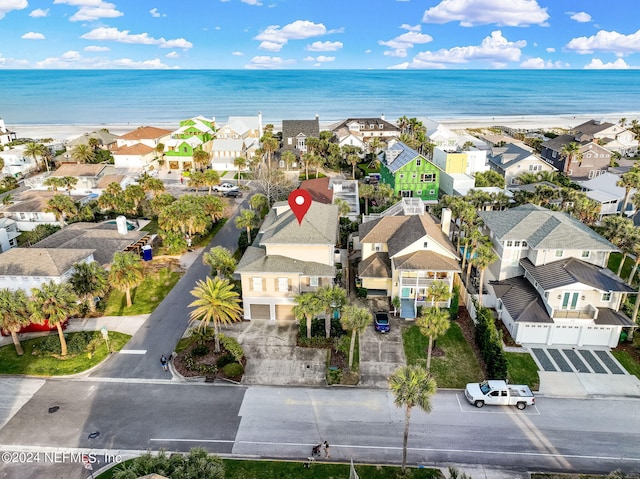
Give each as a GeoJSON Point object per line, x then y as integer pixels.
{"type": "Point", "coordinates": [233, 194]}
{"type": "Point", "coordinates": [381, 321]}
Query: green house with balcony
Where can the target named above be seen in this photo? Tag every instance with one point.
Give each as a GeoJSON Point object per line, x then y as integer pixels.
{"type": "Point", "coordinates": [193, 134]}
{"type": "Point", "coordinates": [409, 173]}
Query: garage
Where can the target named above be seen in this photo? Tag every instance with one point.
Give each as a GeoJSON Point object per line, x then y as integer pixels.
{"type": "Point", "coordinates": [260, 311]}
{"type": "Point", "coordinates": [284, 312]}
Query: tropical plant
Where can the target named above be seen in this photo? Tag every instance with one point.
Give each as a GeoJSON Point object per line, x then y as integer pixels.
{"type": "Point", "coordinates": [196, 181]}
{"type": "Point", "coordinates": [153, 185]}
{"type": "Point", "coordinates": [411, 386]}
{"type": "Point", "coordinates": [485, 256]}
{"type": "Point", "coordinates": [89, 280]}
{"type": "Point", "coordinates": [126, 272]}
{"type": "Point", "coordinates": [240, 163]}
{"type": "Point", "coordinates": [289, 157]}
{"type": "Point", "coordinates": [433, 323]}
{"type": "Point", "coordinates": [333, 298]}
{"type": "Point", "coordinates": [629, 181]}
{"type": "Point", "coordinates": [619, 230]}
{"type": "Point", "coordinates": [343, 207]}
{"type": "Point", "coordinates": [353, 161]}
{"type": "Point", "coordinates": [210, 178]}
{"type": "Point", "coordinates": [356, 320]}
{"type": "Point", "coordinates": [55, 303]}
{"type": "Point", "coordinates": [54, 182]}
{"type": "Point", "coordinates": [62, 207]}
{"type": "Point", "coordinates": [367, 192]}
{"type": "Point", "coordinates": [269, 145]}
{"type": "Point", "coordinates": [247, 219]}
{"type": "Point", "coordinates": [216, 302]}
{"type": "Point", "coordinates": [35, 151]}
{"type": "Point", "coordinates": [439, 292]}
{"type": "Point", "coordinates": [201, 158]}
{"type": "Point", "coordinates": [307, 307]}
{"type": "Point", "coordinates": [259, 203]}
{"type": "Point", "coordinates": [489, 178]}
{"type": "Point", "coordinates": [570, 151]}
{"type": "Point", "coordinates": [83, 154]}
{"type": "Point", "coordinates": [221, 260]}
{"type": "Point", "coordinates": [14, 315]}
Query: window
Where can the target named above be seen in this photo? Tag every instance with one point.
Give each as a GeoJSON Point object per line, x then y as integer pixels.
{"type": "Point", "coordinates": [425, 244]}
{"type": "Point", "coordinates": [428, 177]}
{"type": "Point", "coordinates": [378, 247]}
{"type": "Point", "coordinates": [432, 192]}
{"type": "Point", "coordinates": [524, 244]}
{"type": "Point", "coordinates": [313, 281]}
{"type": "Point", "coordinates": [535, 167]}
{"type": "Point", "coordinates": [585, 254]}
{"type": "Point", "coordinates": [257, 284]}
{"type": "Point", "coordinates": [289, 141]}
{"type": "Point", "coordinates": [419, 192]}
{"type": "Point", "coordinates": [418, 161]}
{"type": "Point", "coordinates": [509, 244]}
{"type": "Point", "coordinates": [559, 253]}
{"type": "Point", "coordinates": [516, 244]}
{"type": "Point", "coordinates": [414, 176]}
{"type": "Point", "coordinates": [402, 176]}
{"type": "Point", "coordinates": [606, 297]}
{"type": "Point", "coordinates": [283, 285]}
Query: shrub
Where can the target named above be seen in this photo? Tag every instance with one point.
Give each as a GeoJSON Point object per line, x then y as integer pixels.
{"type": "Point", "coordinates": [361, 292]}
{"type": "Point", "coordinates": [50, 344]}
{"type": "Point", "coordinates": [79, 342]}
{"type": "Point", "coordinates": [224, 360]}
{"type": "Point", "coordinates": [232, 346]}
{"type": "Point", "coordinates": [200, 350]}
{"type": "Point", "coordinates": [489, 342]}
{"type": "Point", "coordinates": [455, 303]}
{"type": "Point", "coordinates": [343, 344]}
{"type": "Point", "coordinates": [233, 370]}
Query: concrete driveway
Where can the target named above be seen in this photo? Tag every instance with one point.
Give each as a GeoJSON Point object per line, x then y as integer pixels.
{"type": "Point", "coordinates": [380, 355]}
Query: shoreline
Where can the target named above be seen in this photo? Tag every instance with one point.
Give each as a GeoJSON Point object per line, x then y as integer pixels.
{"type": "Point", "coordinates": [62, 132]}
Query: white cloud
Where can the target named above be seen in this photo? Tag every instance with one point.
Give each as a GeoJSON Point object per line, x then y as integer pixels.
{"type": "Point", "coordinates": [411, 28]}
{"type": "Point", "coordinates": [551, 50]}
{"type": "Point", "coordinates": [265, 62]}
{"type": "Point", "coordinates": [172, 55]}
{"type": "Point", "coordinates": [13, 62]}
{"type": "Point", "coordinates": [319, 59]}
{"type": "Point", "coordinates": [91, 10]}
{"type": "Point", "coordinates": [237, 54]}
{"type": "Point", "coordinates": [597, 64]}
{"type": "Point", "coordinates": [401, 43]}
{"type": "Point", "coordinates": [580, 17]}
{"type": "Point", "coordinates": [115, 35]}
{"type": "Point", "coordinates": [7, 6]}
{"type": "Point", "coordinates": [156, 14]}
{"type": "Point", "coordinates": [74, 60]}
{"type": "Point", "coordinates": [39, 12]}
{"type": "Point", "coordinates": [605, 41]}
{"type": "Point", "coordinates": [32, 36]}
{"type": "Point", "coordinates": [494, 49]}
{"type": "Point", "coordinates": [252, 2]}
{"type": "Point", "coordinates": [324, 46]}
{"type": "Point", "coordinates": [512, 13]}
{"type": "Point", "coordinates": [273, 38]}
{"type": "Point", "coordinates": [96, 48]}
{"type": "Point", "coordinates": [399, 66]}
{"type": "Point", "coordinates": [539, 64]}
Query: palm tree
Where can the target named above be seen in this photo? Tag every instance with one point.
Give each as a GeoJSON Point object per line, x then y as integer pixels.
{"type": "Point", "coordinates": [216, 302]}
{"type": "Point", "coordinates": [82, 154]}
{"type": "Point", "coordinates": [355, 319]}
{"type": "Point", "coordinates": [126, 272]}
{"type": "Point", "coordinates": [159, 149]}
{"type": "Point", "coordinates": [629, 180]}
{"type": "Point", "coordinates": [269, 145]}
{"type": "Point", "coordinates": [259, 203]}
{"type": "Point", "coordinates": [201, 158]}
{"type": "Point", "coordinates": [333, 298]}
{"type": "Point", "coordinates": [89, 280]}
{"type": "Point", "coordinates": [619, 230]}
{"type": "Point", "coordinates": [240, 163]}
{"type": "Point", "coordinates": [210, 178]}
{"type": "Point", "coordinates": [367, 192]}
{"type": "Point", "coordinates": [35, 151]}
{"type": "Point", "coordinates": [288, 157]}
{"type": "Point", "coordinates": [154, 185]}
{"type": "Point", "coordinates": [248, 220]}
{"type": "Point", "coordinates": [353, 160]}
{"type": "Point", "coordinates": [433, 323]}
{"type": "Point", "coordinates": [54, 182]}
{"type": "Point", "coordinates": [343, 207]}
{"type": "Point", "coordinates": [485, 256]}
{"type": "Point", "coordinates": [307, 306]}
{"type": "Point", "coordinates": [68, 183]}
{"type": "Point", "coordinates": [221, 260]}
{"type": "Point", "coordinates": [62, 207]}
{"type": "Point", "coordinates": [438, 292]}
{"type": "Point", "coordinates": [569, 152]}
{"type": "Point", "coordinates": [412, 386]}
{"type": "Point", "coordinates": [14, 315]}
{"type": "Point", "coordinates": [306, 158]}
{"type": "Point", "coordinates": [53, 302]}
{"type": "Point", "coordinates": [196, 181]}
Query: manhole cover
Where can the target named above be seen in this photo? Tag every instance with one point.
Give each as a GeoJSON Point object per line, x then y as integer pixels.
{"type": "Point", "coordinates": [53, 409]}
{"type": "Point", "coordinates": [94, 434]}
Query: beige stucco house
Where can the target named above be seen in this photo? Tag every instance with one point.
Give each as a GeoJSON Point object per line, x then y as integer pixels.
{"type": "Point", "coordinates": [286, 259]}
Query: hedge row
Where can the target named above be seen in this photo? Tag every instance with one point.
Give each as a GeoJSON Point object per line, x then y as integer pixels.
{"type": "Point", "coordinates": [489, 341]}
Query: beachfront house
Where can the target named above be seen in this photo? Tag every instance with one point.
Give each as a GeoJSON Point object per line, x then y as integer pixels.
{"type": "Point", "coordinates": [589, 161]}
{"type": "Point", "coordinates": [551, 284]}
{"type": "Point", "coordinates": [6, 136]}
{"type": "Point", "coordinates": [286, 259]}
{"type": "Point", "coordinates": [357, 132]}
{"type": "Point", "coordinates": [402, 256]}
{"type": "Point", "coordinates": [614, 138]}
{"type": "Point", "coordinates": [296, 132]}
{"type": "Point", "coordinates": [238, 138]}
{"type": "Point", "coordinates": [16, 163]}
{"type": "Point", "coordinates": [192, 135]}
{"type": "Point", "coordinates": [409, 173]}
{"type": "Point", "coordinates": [102, 138]}
{"type": "Point", "coordinates": [512, 160]}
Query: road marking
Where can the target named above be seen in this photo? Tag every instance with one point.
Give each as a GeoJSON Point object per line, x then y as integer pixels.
{"type": "Point", "coordinates": [507, 410]}
{"type": "Point", "coordinates": [133, 351]}
{"type": "Point", "coordinates": [225, 441]}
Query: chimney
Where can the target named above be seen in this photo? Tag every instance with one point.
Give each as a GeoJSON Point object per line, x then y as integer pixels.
{"type": "Point", "coordinates": [382, 116]}
{"type": "Point", "coordinates": [260, 133]}
{"type": "Point", "coordinates": [121, 223]}
{"type": "Point", "coordinates": [445, 222]}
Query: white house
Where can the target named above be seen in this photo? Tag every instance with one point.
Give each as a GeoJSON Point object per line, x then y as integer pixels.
{"type": "Point", "coordinates": [604, 190]}
{"type": "Point", "coordinates": [8, 234]}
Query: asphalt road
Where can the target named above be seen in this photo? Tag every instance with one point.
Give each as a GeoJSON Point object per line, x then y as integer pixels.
{"type": "Point", "coordinates": [167, 324]}
{"type": "Point", "coordinates": [557, 435]}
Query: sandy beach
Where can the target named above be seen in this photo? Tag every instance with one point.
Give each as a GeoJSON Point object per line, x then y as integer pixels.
{"type": "Point", "coordinates": [67, 132]}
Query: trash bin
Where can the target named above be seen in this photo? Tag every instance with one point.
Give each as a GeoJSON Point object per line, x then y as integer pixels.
{"type": "Point", "coordinates": [147, 253]}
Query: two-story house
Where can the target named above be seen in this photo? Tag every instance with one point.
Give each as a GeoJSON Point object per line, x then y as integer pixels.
{"type": "Point", "coordinates": [512, 160]}
{"type": "Point", "coordinates": [238, 138]}
{"type": "Point", "coordinates": [604, 190]}
{"type": "Point", "coordinates": [102, 137]}
{"type": "Point", "coordinates": [402, 256]}
{"type": "Point", "coordinates": [358, 132]}
{"type": "Point", "coordinates": [288, 258]}
{"type": "Point", "coordinates": [296, 132]}
{"type": "Point", "coordinates": [139, 147]}
{"type": "Point", "coordinates": [409, 173]}
{"type": "Point", "coordinates": [28, 209]}
{"type": "Point", "coordinates": [589, 161]}
{"type": "Point", "coordinates": [551, 281]}
{"type": "Point", "coordinates": [192, 135]}
{"type": "Point", "coordinates": [614, 138]}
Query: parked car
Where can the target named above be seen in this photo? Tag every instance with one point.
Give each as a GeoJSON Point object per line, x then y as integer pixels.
{"type": "Point", "coordinates": [381, 322]}
{"type": "Point", "coordinates": [233, 194]}
{"type": "Point", "coordinates": [224, 187]}
{"type": "Point", "coordinates": [499, 393]}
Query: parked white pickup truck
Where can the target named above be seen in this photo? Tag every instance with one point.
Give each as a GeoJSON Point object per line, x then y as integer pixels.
{"type": "Point", "coordinates": [499, 393]}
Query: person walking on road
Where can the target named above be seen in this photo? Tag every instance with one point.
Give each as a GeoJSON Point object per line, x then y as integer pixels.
{"type": "Point", "coordinates": [325, 448]}
{"type": "Point", "coordinates": [163, 362]}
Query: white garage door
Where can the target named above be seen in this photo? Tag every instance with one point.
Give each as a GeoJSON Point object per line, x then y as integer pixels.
{"type": "Point", "coordinates": [596, 335]}
{"type": "Point", "coordinates": [534, 333]}
{"type": "Point", "coordinates": [260, 311]}
{"type": "Point", "coordinates": [565, 334]}
{"type": "Point", "coordinates": [284, 312]}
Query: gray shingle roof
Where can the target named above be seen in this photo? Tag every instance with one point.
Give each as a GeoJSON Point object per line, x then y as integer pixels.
{"type": "Point", "coordinates": [521, 300]}
{"type": "Point", "coordinates": [319, 226]}
{"type": "Point", "coordinates": [544, 229]}
{"type": "Point", "coordinates": [508, 155]}
{"type": "Point", "coordinates": [397, 156]}
{"type": "Point", "coordinates": [610, 317]}
{"type": "Point", "coordinates": [40, 261]}
{"type": "Point", "coordinates": [255, 260]}
{"type": "Point", "coordinates": [293, 128]}
{"type": "Point", "coordinates": [375, 266]}
{"type": "Point", "coordinates": [426, 260]}
{"type": "Point", "coordinates": [573, 270]}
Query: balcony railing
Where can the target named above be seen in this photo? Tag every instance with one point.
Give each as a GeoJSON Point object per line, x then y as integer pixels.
{"type": "Point", "coordinates": [588, 312]}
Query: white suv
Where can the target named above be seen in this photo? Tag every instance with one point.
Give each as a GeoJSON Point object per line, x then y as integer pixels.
{"type": "Point", "coordinates": [224, 188]}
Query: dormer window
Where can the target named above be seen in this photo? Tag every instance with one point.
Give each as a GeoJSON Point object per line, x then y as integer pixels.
{"type": "Point", "coordinates": [425, 245]}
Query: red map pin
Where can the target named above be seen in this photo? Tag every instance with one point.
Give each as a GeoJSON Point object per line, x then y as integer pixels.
{"type": "Point", "coordinates": [300, 202]}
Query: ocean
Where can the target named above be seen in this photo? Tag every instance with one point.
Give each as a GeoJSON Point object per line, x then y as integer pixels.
{"type": "Point", "coordinates": [81, 97]}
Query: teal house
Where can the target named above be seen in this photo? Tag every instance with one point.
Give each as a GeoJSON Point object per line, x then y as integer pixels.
{"type": "Point", "coordinates": [409, 173]}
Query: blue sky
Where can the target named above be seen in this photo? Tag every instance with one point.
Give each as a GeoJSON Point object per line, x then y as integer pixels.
{"type": "Point", "coordinates": [328, 34]}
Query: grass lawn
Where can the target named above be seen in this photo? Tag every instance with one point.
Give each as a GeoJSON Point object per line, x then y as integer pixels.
{"type": "Point", "coordinates": [522, 369]}
{"type": "Point", "coordinates": [614, 264]}
{"type": "Point", "coordinates": [44, 364]}
{"type": "Point", "coordinates": [237, 469]}
{"type": "Point", "coordinates": [366, 170]}
{"type": "Point", "coordinates": [456, 368]}
{"type": "Point", "coordinates": [206, 239]}
{"type": "Point", "coordinates": [145, 297]}
{"type": "Point", "coordinates": [312, 176]}
{"type": "Point", "coordinates": [628, 362]}
{"type": "Point", "coordinates": [541, 475]}
{"type": "Point", "coordinates": [151, 227]}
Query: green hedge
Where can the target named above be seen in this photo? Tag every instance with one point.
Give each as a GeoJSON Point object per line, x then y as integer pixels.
{"type": "Point", "coordinates": [489, 341]}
